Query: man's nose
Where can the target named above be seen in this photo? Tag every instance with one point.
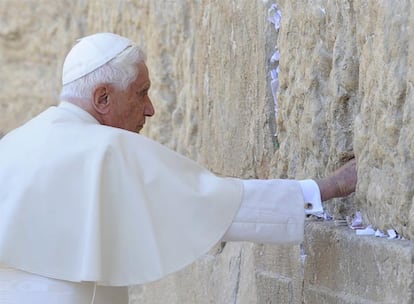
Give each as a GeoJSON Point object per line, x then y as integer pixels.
{"type": "Point", "coordinates": [149, 108]}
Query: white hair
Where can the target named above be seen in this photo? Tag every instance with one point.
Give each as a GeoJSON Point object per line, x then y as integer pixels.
{"type": "Point", "coordinates": [120, 72]}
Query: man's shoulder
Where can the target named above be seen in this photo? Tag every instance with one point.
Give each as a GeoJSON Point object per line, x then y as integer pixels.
{"type": "Point", "coordinates": [55, 132]}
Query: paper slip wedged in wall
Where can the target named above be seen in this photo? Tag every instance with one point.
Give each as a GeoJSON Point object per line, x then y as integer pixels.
{"type": "Point", "coordinates": [379, 233]}
{"type": "Point", "coordinates": [275, 57]}
{"type": "Point", "coordinates": [357, 221]}
{"type": "Point", "coordinates": [367, 231]}
{"type": "Point", "coordinates": [275, 16]}
{"type": "Point", "coordinates": [393, 234]}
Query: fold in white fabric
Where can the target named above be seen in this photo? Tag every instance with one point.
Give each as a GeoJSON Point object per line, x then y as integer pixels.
{"type": "Point", "coordinates": [85, 202]}
{"type": "Point", "coordinates": [268, 214]}
{"type": "Point", "coordinates": [19, 287]}
{"type": "Point", "coordinates": [271, 212]}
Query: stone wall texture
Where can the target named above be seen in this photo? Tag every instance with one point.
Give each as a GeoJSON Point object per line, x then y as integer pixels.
{"type": "Point", "coordinates": [345, 88]}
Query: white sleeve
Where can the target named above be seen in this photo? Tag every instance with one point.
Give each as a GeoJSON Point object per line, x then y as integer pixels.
{"type": "Point", "coordinates": [312, 195]}
{"type": "Point", "coordinates": [272, 211]}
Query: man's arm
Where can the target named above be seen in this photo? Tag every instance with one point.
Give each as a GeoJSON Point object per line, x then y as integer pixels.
{"type": "Point", "coordinates": [272, 211]}
{"type": "Point", "coordinates": [340, 183]}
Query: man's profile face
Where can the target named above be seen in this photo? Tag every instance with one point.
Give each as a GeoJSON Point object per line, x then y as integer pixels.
{"type": "Point", "coordinates": [130, 107]}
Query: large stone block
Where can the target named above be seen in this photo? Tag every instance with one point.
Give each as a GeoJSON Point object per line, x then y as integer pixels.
{"type": "Point", "coordinates": [384, 124]}
{"type": "Point", "coordinates": [342, 267]}
{"type": "Point", "coordinates": [224, 275]}
{"type": "Point", "coordinates": [34, 37]}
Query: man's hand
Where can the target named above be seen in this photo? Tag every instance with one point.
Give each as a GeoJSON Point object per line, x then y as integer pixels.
{"type": "Point", "coordinates": [340, 183]}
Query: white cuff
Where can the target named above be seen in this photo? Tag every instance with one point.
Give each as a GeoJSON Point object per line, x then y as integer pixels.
{"type": "Point", "coordinates": [312, 195]}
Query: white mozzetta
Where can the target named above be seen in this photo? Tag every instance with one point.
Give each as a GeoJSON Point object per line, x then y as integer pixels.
{"type": "Point", "coordinates": [87, 202]}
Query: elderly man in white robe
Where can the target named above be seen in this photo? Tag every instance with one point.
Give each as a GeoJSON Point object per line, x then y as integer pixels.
{"type": "Point", "coordinates": [88, 206]}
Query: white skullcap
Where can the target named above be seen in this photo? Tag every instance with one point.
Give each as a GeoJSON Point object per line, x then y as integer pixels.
{"type": "Point", "coordinates": [90, 53]}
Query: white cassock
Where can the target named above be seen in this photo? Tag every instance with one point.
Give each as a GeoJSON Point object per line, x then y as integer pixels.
{"type": "Point", "coordinates": [85, 205]}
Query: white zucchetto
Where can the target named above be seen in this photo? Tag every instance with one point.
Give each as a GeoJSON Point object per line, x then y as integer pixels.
{"type": "Point", "coordinates": [90, 53]}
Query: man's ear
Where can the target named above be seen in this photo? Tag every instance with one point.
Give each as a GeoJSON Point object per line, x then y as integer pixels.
{"type": "Point", "coordinates": [100, 100]}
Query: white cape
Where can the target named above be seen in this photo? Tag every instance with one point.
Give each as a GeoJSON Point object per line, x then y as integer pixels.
{"type": "Point", "coordinates": [84, 202]}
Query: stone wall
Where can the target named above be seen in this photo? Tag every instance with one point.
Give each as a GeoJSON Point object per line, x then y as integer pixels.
{"type": "Point", "coordinates": [345, 88]}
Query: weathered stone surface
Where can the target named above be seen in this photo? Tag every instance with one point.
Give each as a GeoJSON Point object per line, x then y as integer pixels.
{"type": "Point", "coordinates": [34, 36]}
{"type": "Point", "coordinates": [345, 87]}
{"type": "Point", "coordinates": [318, 97]}
{"type": "Point", "coordinates": [225, 275]}
{"type": "Point", "coordinates": [384, 125]}
{"type": "Point", "coordinates": [342, 267]}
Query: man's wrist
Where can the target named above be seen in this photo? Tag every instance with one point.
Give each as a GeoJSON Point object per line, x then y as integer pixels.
{"type": "Point", "coordinates": [328, 188]}
{"type": "Point", "coordinates": [340, 183]}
